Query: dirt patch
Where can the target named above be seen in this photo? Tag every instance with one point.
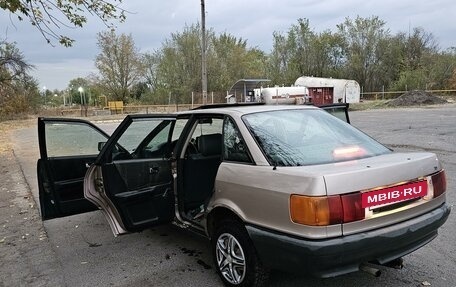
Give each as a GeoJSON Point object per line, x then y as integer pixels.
{"type": "Point", "coordinates": [5, 130]}
{"type": "Point", "coordinates": [416, 98]}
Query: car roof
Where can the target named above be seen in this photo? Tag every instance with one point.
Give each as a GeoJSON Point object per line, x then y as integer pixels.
{"type": "Point", "coordinates": [239, 110]}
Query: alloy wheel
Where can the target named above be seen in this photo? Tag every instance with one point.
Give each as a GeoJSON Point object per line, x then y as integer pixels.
{"type": "Point", "coordinates": [230, 258]}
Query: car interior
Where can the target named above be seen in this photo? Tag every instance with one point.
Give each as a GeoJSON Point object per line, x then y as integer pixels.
{"type": "Point", "coordinates": [200, 166]}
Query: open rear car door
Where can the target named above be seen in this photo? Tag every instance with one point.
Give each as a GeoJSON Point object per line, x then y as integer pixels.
{"type": "Point", "coordinates": [130, 180]}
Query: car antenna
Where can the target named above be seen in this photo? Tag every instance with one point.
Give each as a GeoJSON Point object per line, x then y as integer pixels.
{"type": "Point", "coordinates": [274, 161]}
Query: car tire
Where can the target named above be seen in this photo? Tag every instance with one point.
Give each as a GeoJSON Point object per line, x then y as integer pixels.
{"type": "Point", "coordinates": [235, 257]}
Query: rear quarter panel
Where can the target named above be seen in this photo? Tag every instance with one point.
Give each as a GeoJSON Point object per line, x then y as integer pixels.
{"type": "Point", "coordinates": [261, 196]}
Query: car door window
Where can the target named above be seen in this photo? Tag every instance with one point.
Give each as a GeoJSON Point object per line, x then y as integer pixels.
{"type": "Point", "coordinates": [136, 133]}
{"type": "Point", "coordinates": [205, 128]}
{"type": "Point", "coordinates": [144, 138]}
{"type": "Point", "coordinates": [235, 148]}
{"type": "Point", "coordinates": [208, 126]}
{"type": "Point", "coordinates": [159, 139]}
{"type": "Point", "coordinates": [72, 139]}
{"type": "Point", "coordinates": [178, 128]}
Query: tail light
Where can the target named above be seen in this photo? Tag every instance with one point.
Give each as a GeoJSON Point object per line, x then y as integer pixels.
{"type": "Point", "coordinates": [352, 206]}
{"type": "Point", "coordinates": [326, 210]}
{"type": "Point", "coordinates": [439, 183]}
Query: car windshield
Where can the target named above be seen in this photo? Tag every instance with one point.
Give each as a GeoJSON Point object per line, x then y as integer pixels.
{"type": "Point", "coordinates": [308, 137]}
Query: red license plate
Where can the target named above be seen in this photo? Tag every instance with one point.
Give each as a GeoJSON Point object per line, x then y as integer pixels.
{"type": "Point", "coordinates": [394, 194]}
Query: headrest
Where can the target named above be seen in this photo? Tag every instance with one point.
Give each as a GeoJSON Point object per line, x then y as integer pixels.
{"type": "Point", "coordinates": [210, 144]}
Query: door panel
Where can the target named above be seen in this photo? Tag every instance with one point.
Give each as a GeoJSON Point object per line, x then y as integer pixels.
{"type": "Point", "coordinates": [141, 191]}
{"type": "Point", "coordinates": [138, 185]}
{"type": "Point", "coordinates": [145, 207]}
{"type": "Point", "coordinates": [61, 194]}
{"type": "Point", "coordinates": [67, 148]}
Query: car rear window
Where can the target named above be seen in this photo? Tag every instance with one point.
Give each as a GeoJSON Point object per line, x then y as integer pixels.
{"type": "Point", "coordinates": [308, 137]}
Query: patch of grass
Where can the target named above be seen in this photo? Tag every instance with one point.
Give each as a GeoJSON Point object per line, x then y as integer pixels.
{"type": "Point", "coordinates": [369, 105]}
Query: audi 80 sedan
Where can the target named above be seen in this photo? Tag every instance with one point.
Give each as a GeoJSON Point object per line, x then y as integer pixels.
{"type": "Point", "coordinates": [272, 187]}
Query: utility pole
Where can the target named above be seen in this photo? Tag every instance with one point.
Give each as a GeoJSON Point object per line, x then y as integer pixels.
{"type": "Point", "coordinates": [203, 53]}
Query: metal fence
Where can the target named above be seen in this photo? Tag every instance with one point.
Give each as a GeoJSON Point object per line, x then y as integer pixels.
{"type": "Point", "coordinates": [383, 95]}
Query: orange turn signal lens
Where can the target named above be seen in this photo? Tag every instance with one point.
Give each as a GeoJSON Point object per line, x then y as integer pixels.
{"type": "Point", "coordinates": [315, 210]}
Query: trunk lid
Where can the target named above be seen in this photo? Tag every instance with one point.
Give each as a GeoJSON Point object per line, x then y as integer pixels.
{"type": "Point", "coordinates": [386, 175]}
{"type": "Point", "coordinates": [374, 172]}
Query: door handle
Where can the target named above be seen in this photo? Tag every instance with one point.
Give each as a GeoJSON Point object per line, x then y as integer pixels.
{"type": "Point", "coordinates": [88, 164]}
{"type": "Point", "coordinates": [154, 170]}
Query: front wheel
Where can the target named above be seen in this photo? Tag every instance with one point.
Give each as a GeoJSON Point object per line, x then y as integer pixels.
{"type": "Point", "coordinates": [235, 257]}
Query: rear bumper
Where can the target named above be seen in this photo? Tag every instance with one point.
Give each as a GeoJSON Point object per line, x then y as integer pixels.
{"type": "Point", "coordinates": [336, 256]}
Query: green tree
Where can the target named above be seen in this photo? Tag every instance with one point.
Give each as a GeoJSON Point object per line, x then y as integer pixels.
{"type": "Point", "coordinates": [230, 59]}
{"type": "Point", "coordinates": [423, 66]}
{"type": "Point", "coordinates": [77, 89]}
{"type": "Point", "coordinates": [390, 55]}
{"type": "Point", "coordinates": [119, 64]}
{"type": "Point", "coordinates": [174, 71]}
{"type": "Point", "coordinates": [451, 80]}
{"type": "Point", "coordinates": [435, 71]}
{"type": "Point", "coordinates": [21, 96]}
{"type": "Point", "coordinates": [417, 45]}
{"type": "Point", "coordinates": [363, 39]}
{"type": "Point", "coordinates": [300, 43]}
{"type": "Point", "coordinates": [12, 63]}
{"type": "Point", "coordinates": [293, 55]}
{"type": "Point", "coordinates": [151, 63]}
{"type": "Point", "coordinates": [302, 52]}
{"type": "Point", "coordinates": [180, 67]}
{"type": "Point", "coordinates": [410, 80]}
{"type": "Point", "coordinates": [18, 90]}
{"type": "Point", "coordinates": [327, 52]}
{"type": "Point", "coordinates": [278, 60]}
{"type": "Point", "coordinates": [48, 16]}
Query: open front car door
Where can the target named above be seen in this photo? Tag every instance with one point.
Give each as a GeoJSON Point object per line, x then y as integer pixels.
{"type": "Point", "coordinates": [131, 180]}
{"type": "Point", "coordinates": [67, 148]}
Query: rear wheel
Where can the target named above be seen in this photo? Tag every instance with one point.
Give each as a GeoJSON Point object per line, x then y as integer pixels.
{"type": "Point", "coordinates": [235, 257]}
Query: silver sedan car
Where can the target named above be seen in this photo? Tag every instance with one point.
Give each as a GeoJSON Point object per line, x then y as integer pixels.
{"type": "Point", "coordinates": [295, 188]}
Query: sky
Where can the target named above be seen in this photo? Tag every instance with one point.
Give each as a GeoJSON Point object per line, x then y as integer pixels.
{"type": "Point", "coordinates": [151, 22]}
